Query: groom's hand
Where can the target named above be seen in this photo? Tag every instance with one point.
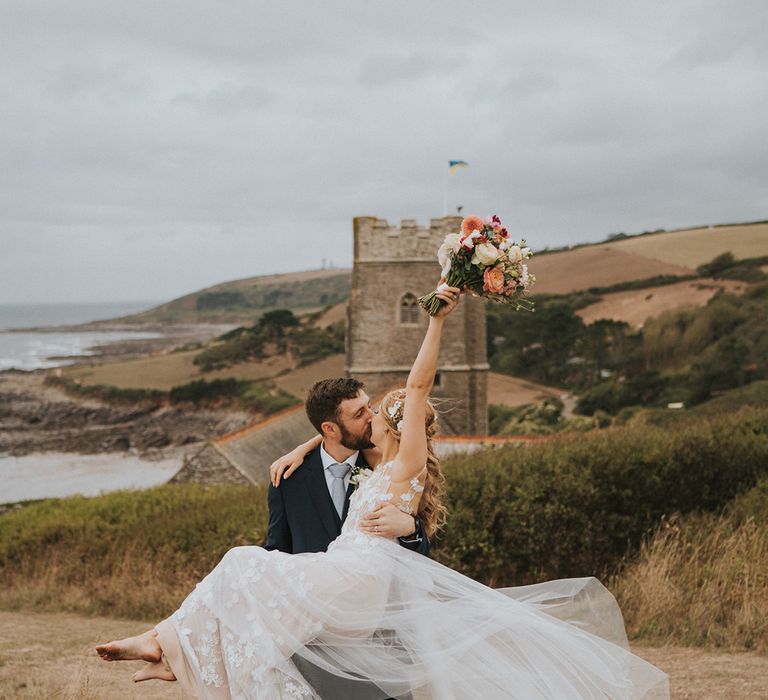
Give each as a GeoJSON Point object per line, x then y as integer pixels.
{"type": "Point", "coordinates": [386, 520]}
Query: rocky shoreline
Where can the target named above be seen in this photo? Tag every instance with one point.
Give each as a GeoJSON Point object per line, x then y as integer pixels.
{"type": "Point", "coordinates": [36, 417]}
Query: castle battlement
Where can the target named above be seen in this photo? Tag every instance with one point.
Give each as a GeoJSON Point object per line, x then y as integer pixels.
{"type": "Point", "coordinates": [376, 240]}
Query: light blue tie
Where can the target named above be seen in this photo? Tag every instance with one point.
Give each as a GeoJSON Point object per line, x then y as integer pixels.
{"type": "Point", "coordinates": [338, 490]}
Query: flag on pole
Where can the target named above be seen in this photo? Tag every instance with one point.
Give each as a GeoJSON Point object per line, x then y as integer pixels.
{"type": "Point", "coordinates": [454, 165]}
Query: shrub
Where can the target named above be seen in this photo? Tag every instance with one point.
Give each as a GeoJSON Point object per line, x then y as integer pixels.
{"type": "Point", "coordinates": [200, 391]}
{"type": "Point", "coordinates": [258, 396]}
{"type": "Point", "coordinates": [313, 344]}
{"type": "Point", "coordinates": [105, 392]}
{"type": "Point", "coordinates": [237, 347]}
{"type": "Point", "coordinates": [266, 398]}
{"type": "Point", "coordinates": [725, 266]}
{"type": "Point", "coordinates": [498, 416]}
{"type": "Point", "coordinates": [716, 265]}
{"type": "Point", "coordinates": [279, 327]}
{"type": "Point", "coordinates": [575, 506]}
{"type": "Point", "coordinates": [220, 300]}
{"type": "Point", "coordinates": [610, 397]}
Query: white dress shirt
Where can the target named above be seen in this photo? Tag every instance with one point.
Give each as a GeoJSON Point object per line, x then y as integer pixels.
{"type": "Point", "coordinates": [329, 461]}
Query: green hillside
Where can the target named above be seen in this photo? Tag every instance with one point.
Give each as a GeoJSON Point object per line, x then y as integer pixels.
{"type": "Point", "coordinates": [245, 300]}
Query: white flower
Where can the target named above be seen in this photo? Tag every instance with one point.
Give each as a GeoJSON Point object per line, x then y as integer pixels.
{"type": "Point", "coordinates": [485, 254]}
{"type": "Point", "coordinates": [359, 475]}
{"type": "Point", "coordinates": [526, 252]}
{"type": "Point", "coordinates": [515, 254]}
{"type": "Point", "coordinates": [524, 275]}
{"type": "Point", "coordinates": [394, 408]}
{"type": "Point", "coordinates": [469, 241]}
{"type": "Point", "coordinates": [399, 426]}
{"type": "Point", "coordinates": [453, 242]}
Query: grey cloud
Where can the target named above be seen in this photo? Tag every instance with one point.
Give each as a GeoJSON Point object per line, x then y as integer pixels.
{"type": "Point", "coordinates": [387, 69]}
{"type": "Point", "coordinates": [228, 98]}
{"type": "Point", "coordinates": [153, 148]}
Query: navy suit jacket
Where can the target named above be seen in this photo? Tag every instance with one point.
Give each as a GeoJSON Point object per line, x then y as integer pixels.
{"type": "Point", "coordinates": [302, 517]}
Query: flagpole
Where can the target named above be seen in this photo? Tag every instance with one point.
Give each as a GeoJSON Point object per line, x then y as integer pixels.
{"type": "Point", "coordinates": [445, 194]}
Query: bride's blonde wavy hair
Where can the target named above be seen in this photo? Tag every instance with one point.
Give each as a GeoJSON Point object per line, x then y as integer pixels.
{"type": "Point", "coordinates": [432, 511]}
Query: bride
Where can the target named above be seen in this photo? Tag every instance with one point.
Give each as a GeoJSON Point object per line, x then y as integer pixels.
{"type": "Point", "coordinates": [369, 609]}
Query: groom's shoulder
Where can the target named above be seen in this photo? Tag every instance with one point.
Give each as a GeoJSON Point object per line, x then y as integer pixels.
{"type": "Point", "coordinates": [299, 479]}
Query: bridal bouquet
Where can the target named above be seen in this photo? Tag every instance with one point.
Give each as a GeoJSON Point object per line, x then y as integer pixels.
{"type": "Point", "coordinates": [484, 259]}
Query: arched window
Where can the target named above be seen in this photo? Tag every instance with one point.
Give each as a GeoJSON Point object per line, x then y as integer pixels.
{"type": "Point", "coordinates": [409, 309]}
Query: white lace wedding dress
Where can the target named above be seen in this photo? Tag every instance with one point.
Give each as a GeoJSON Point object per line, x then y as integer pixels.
{"type": "Point", "coordinates": [369, 608]}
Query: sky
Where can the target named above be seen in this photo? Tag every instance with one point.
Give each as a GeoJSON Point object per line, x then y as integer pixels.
{"type": "Point", "coordinates": [152, 148]}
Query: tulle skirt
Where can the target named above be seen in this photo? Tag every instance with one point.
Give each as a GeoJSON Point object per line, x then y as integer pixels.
{"type": "Point", "coordinates": [369, 619]}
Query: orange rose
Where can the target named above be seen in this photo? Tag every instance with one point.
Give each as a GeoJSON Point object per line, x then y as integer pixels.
{"type": "Point", "coordinates": [493, 279]}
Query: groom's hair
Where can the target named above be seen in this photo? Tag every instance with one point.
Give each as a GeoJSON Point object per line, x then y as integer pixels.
{"type": "Point", "coordinates": [325, 396]}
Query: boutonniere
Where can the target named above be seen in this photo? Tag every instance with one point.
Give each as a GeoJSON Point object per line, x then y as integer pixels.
{"type": "Point", "coordinates": [359, 475]}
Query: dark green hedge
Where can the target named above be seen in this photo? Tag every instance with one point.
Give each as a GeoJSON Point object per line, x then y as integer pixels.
{"type": "Point", "coordinates": [576, 506]}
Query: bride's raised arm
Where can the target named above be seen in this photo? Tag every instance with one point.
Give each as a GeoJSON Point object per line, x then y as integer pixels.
{"type": "Point", "coordinates": [412, 453]}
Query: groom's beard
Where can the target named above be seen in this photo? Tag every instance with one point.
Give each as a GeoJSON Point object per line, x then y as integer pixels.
{"type": "Point", "coordinates": [355, 442]}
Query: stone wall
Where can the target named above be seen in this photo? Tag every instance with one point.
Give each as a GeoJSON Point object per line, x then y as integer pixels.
{"type": "Point", "coordinates": [209, 466]}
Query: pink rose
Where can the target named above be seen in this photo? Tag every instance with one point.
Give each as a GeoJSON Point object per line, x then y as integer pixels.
{"type": "Point", "coordinates": [493, 280]}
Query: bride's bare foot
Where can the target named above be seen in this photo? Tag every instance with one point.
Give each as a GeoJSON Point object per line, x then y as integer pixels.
{"type": "Point", "coordinates": [153, 671]}
{"type": "Point", "coordinates": [143, 647]}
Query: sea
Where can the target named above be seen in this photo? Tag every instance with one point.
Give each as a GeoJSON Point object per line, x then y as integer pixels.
{"type": "Point", "coordinates": [28, 350]}
{"type": "Point", "coordinates": [57, 474]}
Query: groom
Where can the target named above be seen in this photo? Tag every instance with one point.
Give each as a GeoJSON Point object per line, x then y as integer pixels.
{"type": "Point", "coordinates": [307, 510]}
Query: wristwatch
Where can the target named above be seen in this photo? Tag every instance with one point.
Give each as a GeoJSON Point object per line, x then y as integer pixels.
{"type": "Point", "coordinates": [416, 535]}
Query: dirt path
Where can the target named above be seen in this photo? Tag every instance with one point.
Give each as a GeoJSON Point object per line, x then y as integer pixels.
{"type": "Point", "coordinates": [46, 656]}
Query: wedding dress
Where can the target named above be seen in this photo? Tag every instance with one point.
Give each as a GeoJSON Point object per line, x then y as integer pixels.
{"type": "Point", "coordinates": [369, 608]}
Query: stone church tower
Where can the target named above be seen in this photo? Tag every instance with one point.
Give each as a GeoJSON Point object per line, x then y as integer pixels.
{"type": "Point", "coordinates": [392, 268]}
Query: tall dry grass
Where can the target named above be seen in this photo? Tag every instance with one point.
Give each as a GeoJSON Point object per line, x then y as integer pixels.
{"type": "Point", "coordinates": [703, 580]}
{"type": "Point", "coordinates": [126, 554]}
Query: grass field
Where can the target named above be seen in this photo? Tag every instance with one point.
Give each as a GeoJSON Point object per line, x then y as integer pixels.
{"type": "Point", "coordinates": [166, 371]}
{"type": "Point", "coordinates": [334, 314]}
{"type": "Point", "coordinates": [594, 266]}
{"type": "Point", "coordinates": [639, 257]}
{"type": "Point", "coordinates": [297, 381]}
{"type": "Point", "coordinates": [636, 305]}
{"type": "Point", "coordinates": [692, 247]}
{"type": "Point", "coordinates": [511, 391]}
